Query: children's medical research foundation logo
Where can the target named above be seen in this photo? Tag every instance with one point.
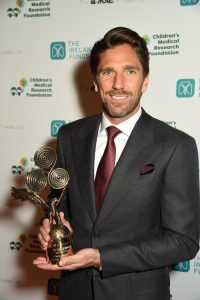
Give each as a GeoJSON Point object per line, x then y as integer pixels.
{"type": "Point", "coordinates": [29, 9]}
{"type": "Point", "coordinates": [18, 90]}
{"type": "Point", "coordinates": [26, 242]}
{"type": "Point", "coordinates": [34, 87]}
{"type": "Point", "coordinates": [18, 244]}
{"type": "Point", "coordinates": [162, 44]}
{"type": "Point", "coordinates": [23, 166]}
{"type": "Point", "coordinates": [188, 2]}
{"type": "Point", "coordinates": [15, 11]}
{"type": "Point", "coordinates": [185, 88]}
{"type": "Point", "coordinates": [72, 50]}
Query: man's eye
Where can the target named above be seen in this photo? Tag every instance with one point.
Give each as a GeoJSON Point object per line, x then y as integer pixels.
{"type": "Point", "coordinates": [107, 72]}
{"type": "Point", "coordinates": [131, 71]}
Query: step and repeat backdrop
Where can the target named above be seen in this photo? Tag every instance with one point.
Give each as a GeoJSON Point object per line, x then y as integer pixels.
{"type": "Point", "coordinates": [46, 82]}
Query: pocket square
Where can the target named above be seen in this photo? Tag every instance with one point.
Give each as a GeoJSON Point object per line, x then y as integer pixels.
{"type": "Point", "coordinates": [147, 169]}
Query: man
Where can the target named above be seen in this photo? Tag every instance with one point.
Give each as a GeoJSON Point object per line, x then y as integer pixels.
{"type": "Point", "coordinates": [148, 217]}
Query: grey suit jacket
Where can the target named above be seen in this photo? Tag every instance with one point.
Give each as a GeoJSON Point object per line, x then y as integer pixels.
{"type": "Point", "coordinates": [150, 214]}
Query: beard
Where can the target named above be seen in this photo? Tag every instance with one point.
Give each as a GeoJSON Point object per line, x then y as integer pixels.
{"type": "Point", "coordinates": [120, 110]}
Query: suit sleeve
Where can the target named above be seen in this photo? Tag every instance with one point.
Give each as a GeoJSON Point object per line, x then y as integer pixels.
{"type": "Point", "coordinates": [178, 239]}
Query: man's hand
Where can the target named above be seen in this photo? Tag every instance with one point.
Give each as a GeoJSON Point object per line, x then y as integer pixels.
{"type": "Point", "coordinates": [43, 234]}
{"type": "Point", "coordinates": [82, 259]}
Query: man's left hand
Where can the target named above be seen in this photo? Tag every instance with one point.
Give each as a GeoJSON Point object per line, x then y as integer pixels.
{"type": "Point", "coordinates": [82, 259]}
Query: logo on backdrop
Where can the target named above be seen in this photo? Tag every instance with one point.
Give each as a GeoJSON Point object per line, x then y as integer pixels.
{"type": "Point", "coordinates": [15, 245]}
{"type": "Point", "coordinates": [197, 265]}
{"type": "Point", "coordinates": [162, 44]}
{"type": "Point", "coordinates": [23, 165]}
{"type": "Point", "coordinates": [58, 50]}
{"type": "Point", "coordinates": [182, 266]}
{"type": "Point", "coordinates": [14, 12]}
{"type": "Point", "coordinates": [55, 125]}
{"type": "Point", "coordinates": [185, 88]}
{"type": "Point", "coordinates": [17, 91]}
{"type": "Point", "coordinates": [147, 39]}
{"type": "Point", "coordinates": [37, 87]}
{"type": "Point", "coordinates": [19, 243]}
{"type": "Point", "coordinates": [188, 2]}
{"type": "Point", "coordinates": [11, 126]}
{"type": "Point", "coordinates": [92, 2]}
{"type": "Point", "coordinates": [97, 1]}
{"type": "Point", "coordinates": [192, 266]}
{"type": "Point", "coordinates": [32, 9]}
{"type": "Point", "coordinates": [75, 51]}
{"type": "Point", "coordinates": [29, 243]}
{"type": "Point", "coordinates": [53, 286]}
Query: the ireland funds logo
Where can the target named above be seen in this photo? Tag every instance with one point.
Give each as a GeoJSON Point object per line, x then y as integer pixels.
{"type": "Point", "coordinates": [55, 125]}
{"type": "Point", "coordinates": [188, 2]}
{"type": "Point", "coordinates": [15, 11]}
{"type": "Point", "coordinates": [185, 88]}
{"type": "Point", "coordinates": [183, 266]}
{"type": "Point", "coordinates": [18, 90]}
{"type": "Point", "coordinates": [57, 50]}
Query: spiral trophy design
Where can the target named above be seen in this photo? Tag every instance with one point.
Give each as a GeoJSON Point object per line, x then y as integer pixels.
{"type": "Point", "coordinates": [58, 178]}
{"type": "Point", "coordinates": [45, 158]}
{"type": "Point", "coordinates": [37, 180]}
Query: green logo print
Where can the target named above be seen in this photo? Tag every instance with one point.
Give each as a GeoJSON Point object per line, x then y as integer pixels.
{"type": "Point", "coordinates": [57, 50]}
{"type": "Point", "coordinates": [182, 266]}
{"type": "Point", "coordinates": [14, 12]}
{"type": "Point", "coordinates": [17, 91]}
{"type": "Point", "coordinates": [185, 88]}
{"type": "Point", "coordinates": [188, 2]}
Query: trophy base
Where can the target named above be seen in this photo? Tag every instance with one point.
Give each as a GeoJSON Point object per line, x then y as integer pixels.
{"type": "Point", "coordinates": [60, 243]}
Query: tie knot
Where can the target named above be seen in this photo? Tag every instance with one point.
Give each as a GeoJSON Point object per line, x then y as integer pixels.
{"type": "Point", "coordinates": [112, 132]}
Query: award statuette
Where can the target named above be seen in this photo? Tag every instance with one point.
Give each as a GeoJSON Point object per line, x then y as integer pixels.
{"type": "Point", "coordinates": [36, 180]}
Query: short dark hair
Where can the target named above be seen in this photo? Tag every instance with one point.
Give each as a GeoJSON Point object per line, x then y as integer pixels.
{"type": "Point", "coordinates": [115, 37]}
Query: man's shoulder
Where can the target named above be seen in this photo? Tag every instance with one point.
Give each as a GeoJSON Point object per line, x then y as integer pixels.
{"type": "Point", "coordinates": [80, 124]}
{"type": "Point", "coordinates": [165, 132]}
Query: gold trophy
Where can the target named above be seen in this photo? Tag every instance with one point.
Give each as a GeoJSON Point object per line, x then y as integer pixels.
{"type": "Point", "coordinates": [45, 158]}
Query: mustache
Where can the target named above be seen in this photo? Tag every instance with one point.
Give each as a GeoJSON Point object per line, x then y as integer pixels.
{"type": "Point", "coordinates": [119, 93]}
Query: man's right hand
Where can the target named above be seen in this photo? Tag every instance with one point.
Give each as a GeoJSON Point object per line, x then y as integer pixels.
{"type": "Point", "coordinates": [44, 231]}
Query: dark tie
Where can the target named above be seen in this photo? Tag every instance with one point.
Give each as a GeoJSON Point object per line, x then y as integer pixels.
{"type": "Point", "coordinates": [106, 166]}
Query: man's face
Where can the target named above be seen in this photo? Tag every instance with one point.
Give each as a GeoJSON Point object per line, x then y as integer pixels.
{"type": "Point", "coordinates": [120, 82]}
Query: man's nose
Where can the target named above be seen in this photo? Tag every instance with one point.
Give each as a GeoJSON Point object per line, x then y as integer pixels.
{"type": "Point", "coordinates": [118, 82]}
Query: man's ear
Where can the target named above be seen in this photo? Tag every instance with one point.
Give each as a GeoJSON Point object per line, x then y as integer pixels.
{"type": "Point", "coordinates": [96, 87]}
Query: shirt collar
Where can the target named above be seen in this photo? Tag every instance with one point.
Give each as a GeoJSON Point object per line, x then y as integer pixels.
{"type": "Point", "coordinates": [126, 127]}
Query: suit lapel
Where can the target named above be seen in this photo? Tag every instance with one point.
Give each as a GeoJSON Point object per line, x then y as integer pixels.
{"type": "Point", "coordinates": [129, 164]}
{"type": "Point", "coordinates": [84, 151]}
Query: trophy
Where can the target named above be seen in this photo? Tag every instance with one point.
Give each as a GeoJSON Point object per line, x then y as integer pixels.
{"type": "Point", "coordinates": [45, 158]}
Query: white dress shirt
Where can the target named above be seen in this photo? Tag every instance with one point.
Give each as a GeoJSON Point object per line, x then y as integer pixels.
{"type": "Point", "coordinates": [126, 128]}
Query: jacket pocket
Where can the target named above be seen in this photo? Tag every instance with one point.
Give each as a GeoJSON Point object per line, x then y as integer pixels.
{"type": "Point", "coordinates": [149, 282]}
